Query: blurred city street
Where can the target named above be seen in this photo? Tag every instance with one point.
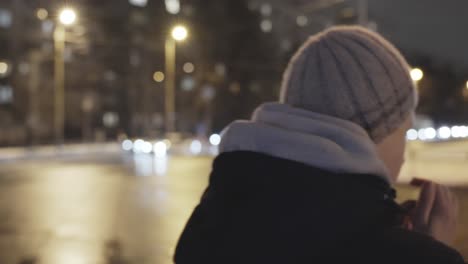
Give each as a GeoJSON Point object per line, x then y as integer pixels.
{"type": "Point", "coordinates": [111, 111]}
{"type": "Point", "coordinates": [114, 207]}
{"type": "Point", "coordinates": [96, 209]}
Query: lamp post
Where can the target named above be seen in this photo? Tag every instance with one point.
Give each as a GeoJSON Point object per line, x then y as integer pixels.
{"type": "Point", "coordinates": [67, 16]}
{"type": "Point", "coordinates": [178, 34]}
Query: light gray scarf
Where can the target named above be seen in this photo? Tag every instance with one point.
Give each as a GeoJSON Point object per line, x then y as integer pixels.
{"type": "Point", "coordinates": [318, 140]}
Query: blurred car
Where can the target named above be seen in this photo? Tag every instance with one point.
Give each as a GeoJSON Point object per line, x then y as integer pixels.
{"type": "Point", "coordinates": [173, 144]}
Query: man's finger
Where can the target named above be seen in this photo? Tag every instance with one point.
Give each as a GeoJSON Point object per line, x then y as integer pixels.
{"type": "Point", "coordinates": [425, 203]}
{"type": "Point", "coordinates": [455, 203]}
{"type": "Point", "coordinates": [417, 182]}
{"type": "Point", "coordinates": [442, 197]}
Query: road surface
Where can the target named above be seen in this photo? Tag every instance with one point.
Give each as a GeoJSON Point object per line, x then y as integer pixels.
{"type": "Point", "coordinates": [96, 210]}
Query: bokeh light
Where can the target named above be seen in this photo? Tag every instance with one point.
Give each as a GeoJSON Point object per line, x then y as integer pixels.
{"type": "Point", "coordinates": [42, 13]}
{"type": "Point", "coordinates": [302, 21]}
{"type": "Point", "coordinates": [417, 74]}
{"type": "Point", "coordinates": [67, 16]}
{"type": "Point", "coordinates": [158, 76]}
{"type": "Point", "coordinates": [266, 25]}
{"type": "Point", "coordinates": [444, 132]}
{"type": "Point", "coordinates": [215, 139]}
{"type": "Point", "coordinates": [412, 134]}
{"type": "Point", "coordinates": [3, 68]}
{"type": "Point", "coordinates": [189, 67]}
{"type": "Point", "coordinates": [196, 147]}
{"type": "Point", "coordinates": [160, 149]}
{"type": "Point", "coordinates": [179, 33]}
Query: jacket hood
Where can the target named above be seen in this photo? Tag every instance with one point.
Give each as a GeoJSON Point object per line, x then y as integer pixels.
{"type": "Point", "coordinates": [296, 134]}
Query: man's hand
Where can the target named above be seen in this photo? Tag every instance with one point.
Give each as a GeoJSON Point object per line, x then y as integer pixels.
{"type": "Point", "coordinates": [436, 211]}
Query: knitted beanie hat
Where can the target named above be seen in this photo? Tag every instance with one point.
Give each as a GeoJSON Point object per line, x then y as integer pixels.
{"type": "Point", "coordinates": [352, 73]}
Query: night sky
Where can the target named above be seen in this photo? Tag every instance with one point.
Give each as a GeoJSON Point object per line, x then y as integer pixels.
{"type": "Point", "coordinates": [433, 28]}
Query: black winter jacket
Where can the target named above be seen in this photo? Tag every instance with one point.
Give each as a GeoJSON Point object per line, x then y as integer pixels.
{"type": "Point", "coordinates": [262, 209]}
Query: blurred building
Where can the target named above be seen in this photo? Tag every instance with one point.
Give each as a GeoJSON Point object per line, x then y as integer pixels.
{"type": "Point", "coordinates": [232, 61]}
{"type": "Point", "coordinates": [18, 39]}
{"type": "Point", "coordinates": [115, 73]}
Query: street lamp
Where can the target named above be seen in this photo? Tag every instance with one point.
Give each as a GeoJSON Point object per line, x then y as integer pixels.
{"type": "Point", "coordinates": [3, 68]}
{"type": "Point", "coordinates": [42, 14]}
{"type": "Point", "coordinates": [178, 33]}
{"type": "Point", "coordinates": [158, 76]}
{"type": "Point", "coordinates": [67, 17]}
{"type": "Point", "coordinates": [417, 74]}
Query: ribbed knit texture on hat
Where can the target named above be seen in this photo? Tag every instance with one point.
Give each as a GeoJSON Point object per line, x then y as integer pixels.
{"type": "Point", "coordinates": [352, 73]}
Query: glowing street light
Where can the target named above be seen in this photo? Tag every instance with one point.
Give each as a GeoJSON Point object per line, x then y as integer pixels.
{"type": "Point", "coordinates": [302, 21]}
{"type": "Point", "coordinates": [158, 76]}
{"type": "Point", "coordinates": [466, 85]}
{"type": "Point", "coordinates": [3, 68]}
{"type": "Point", "coordinates": [417, 74]}
{"type": "Point", "coordinates": [42, 13]}
{"type": "Point", "coordinates": [67, 16]}
{"type": "Point", "coordinates": [189, 67]}
{"type": "Point", "coordinates": [179, 33]}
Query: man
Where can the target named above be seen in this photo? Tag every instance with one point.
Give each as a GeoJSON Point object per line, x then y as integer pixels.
{"type": "Point", "coordinates": [308, 179]}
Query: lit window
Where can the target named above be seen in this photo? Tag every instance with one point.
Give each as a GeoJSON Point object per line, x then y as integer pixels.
{"type": "Point", "coordinates": [266, 25]}
{"type": "Point", "coordinates": [302, 21]}
{"type": "Point", "coordinates": [189, 67]}
{"type": "Point", "coordinates": [140, 3]}
{"type": "Point", "coordinates": [188, 84]}
{"type": "Point", "coordinates": [6, 18]}
{"type": "Point", "coordinates": [110, 119]}
{"type": "Point", "coordinates": [47, 26]}
{"type": "Point", "coordinates": [6, 94]}
{"type": "Point", "coordinates": [173, 6]}
{"type": "Point", "coordinates": [266, 9]}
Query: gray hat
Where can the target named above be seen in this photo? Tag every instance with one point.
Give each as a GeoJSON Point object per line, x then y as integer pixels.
{"type": "Point", "coordinates": [352, 73]}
